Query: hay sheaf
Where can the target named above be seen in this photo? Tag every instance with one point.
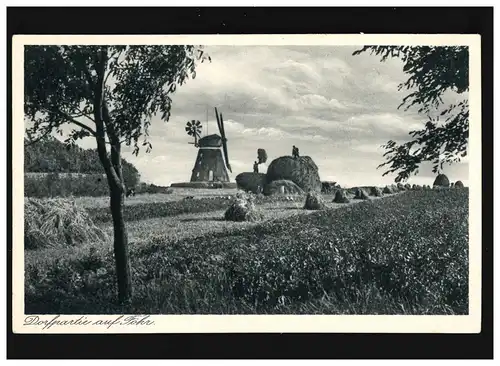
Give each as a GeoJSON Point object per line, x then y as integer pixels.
{"type": "Point", "coordinates": [360, 194]}
{"type": "Point", "coordinates": [250, 182]}
{"type": "Point", "coordinates": [459, 184]}
{"type": "Point", "coordinates": [340, 197]}
{"type": "Point", "coordinates": [441, 181]}
{"type": "Point", "coordinates": [242, 209]}
{"type": "Point", "coordinates": [58, 223]}
{"type": "Point", "coordinates": [375, 191]}
{"type": "Point", "coordinates": [302, 171]}
{"type": "Point", "coordinates": [388, 190]}
{"type": "Point", "coordinates": [282, 187]}
{"type": "Point", "coordinates": [314, 202]}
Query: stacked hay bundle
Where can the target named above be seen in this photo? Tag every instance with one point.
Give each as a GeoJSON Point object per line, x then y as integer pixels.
{"type": "Point", "coordinates": [302, 171]}
{"type": "Point", "coordinates": [251, 182]}
{"type": "Point", "coordinates": [56, 223]}
{"type": "Point", "coordinates": [375, 192]}
{"type": "Point", "coordinates": [401, 187]}
{"type": "Point", "coordinates": [387, 190]}
{"type": "Point", "coordinates": [340, 197]}
{"type": "Point", "coordinates": [459, 184]}
{"type": "Point", "coordinates": [314, 202]}
{"type": "Point", "coordinates": [243, 209]}
{"type": "Point", "coordinates": [441, 181]}
{"type": "Point", "coordinates": [360, 194]}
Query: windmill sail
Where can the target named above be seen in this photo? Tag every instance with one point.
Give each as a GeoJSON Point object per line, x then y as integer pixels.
{"type": "Point", "coordinates": [224, 143]}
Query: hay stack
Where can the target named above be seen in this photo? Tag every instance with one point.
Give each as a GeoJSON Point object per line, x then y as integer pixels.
{"type": "Point", "coordinates": [282, 187]}
{"type": "Point", "coordinates": [58, 223]}
{"type": "Point", "coordinates": [387, 190]}
{"type": "Point", "coordinates": [375, 192]}
{"type": "Point", "coordinates": [314, 202]}
{"type": "Point", "coordinates": [459, 184]}
{"type": "Point", "coordinates": [242, 209]}
{"type": "Point", "coordinates": [408, 187]}
{"type": "Point", "coordinates": [250, 182]}
{"type": "Point", "coordinates": [302, 171]}
{"type": "Point", "coordinates": [360, 194]}
{"type": "Point", "coordinates": [441, 181]}
{"type": "Point", "coordinates": [340, 197]}
{"type": "Point", "coordinates": [401, 187]}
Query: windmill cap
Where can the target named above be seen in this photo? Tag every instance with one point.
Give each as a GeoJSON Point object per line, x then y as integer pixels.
{"type": "Point", "coordinates": [210, 141]}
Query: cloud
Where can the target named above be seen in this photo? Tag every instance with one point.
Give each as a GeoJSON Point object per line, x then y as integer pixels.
{"type": "Point", "coordinates": [337, 108]}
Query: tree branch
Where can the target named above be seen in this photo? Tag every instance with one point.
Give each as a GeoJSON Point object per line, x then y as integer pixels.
{"type": "Point", "coordinates": [31, 142]}
{"type": "Point", "coordinates": [74, 121]}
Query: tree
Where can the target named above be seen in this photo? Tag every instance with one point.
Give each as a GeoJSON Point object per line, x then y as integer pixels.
{"type": "Point", "coordinates": [433, 71]}
{"type": "Point", "coordinates": [109, 93]}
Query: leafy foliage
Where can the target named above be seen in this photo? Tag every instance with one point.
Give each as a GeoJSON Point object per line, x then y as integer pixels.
{"type": "Point", "coordinates": [406, 254]}
{"type": "Point", "coordinates": [61, 83]}
{"type": "Point", "coordinates": [433, 71]}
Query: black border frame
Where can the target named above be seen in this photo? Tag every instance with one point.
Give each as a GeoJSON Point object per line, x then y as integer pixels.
{"type": "Point", "coordinates": [259, 20]}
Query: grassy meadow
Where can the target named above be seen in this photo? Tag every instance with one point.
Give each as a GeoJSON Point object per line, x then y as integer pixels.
{"type": "Point", "coordinates": [405, 253]}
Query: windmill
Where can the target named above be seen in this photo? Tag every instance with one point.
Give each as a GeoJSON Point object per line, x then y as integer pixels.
{"type": "Point", "coordinates": [193, 128]}
{"type": "Point", "coordinates": [212, 162]}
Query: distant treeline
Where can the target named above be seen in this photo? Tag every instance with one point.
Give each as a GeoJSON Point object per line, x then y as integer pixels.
{"type": "Point", "coordinates": [53, 156]}
{"type": "Point", "coordinates": [56, 160]}
{"type": "Point", "coordinates": [95, 185]}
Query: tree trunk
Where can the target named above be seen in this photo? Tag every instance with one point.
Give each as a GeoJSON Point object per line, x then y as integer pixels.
{"type": "Point", "coordinates": [115, 182]}
{"type": "Point", "coordinates": [120, 245]}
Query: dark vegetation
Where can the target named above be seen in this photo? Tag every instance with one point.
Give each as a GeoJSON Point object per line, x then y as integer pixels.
{"type": "Point", "coordinates": [55, 160]}
{"type": "Point", "coordinates": [52, 156]}
{"type": "Point", "coordinates": [406, 254]}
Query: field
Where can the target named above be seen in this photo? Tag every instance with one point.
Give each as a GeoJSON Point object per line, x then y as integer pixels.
{"type": "Point", "coordinates": [401, 254]}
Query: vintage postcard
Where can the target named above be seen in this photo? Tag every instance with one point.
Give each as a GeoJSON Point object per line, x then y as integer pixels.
{"type": "Point", "coordinates": [241, 183]}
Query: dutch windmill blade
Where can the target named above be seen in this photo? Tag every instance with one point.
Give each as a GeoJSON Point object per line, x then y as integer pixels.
{"type": "Point", "coordinates": [218, 121]}
{"type": "Point", "coordinates": [224, 142]}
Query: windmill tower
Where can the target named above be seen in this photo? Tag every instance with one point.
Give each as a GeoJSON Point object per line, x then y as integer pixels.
{"type": "Point", "coordinates": [212, 162]}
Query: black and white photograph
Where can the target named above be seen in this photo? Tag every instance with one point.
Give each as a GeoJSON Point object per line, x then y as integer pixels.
{"type": "Point", "coordinates": [231, 175]}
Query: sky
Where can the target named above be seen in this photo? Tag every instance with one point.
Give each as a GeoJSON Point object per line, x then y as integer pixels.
{"type": "Point", "coordinates": [336, 108]}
